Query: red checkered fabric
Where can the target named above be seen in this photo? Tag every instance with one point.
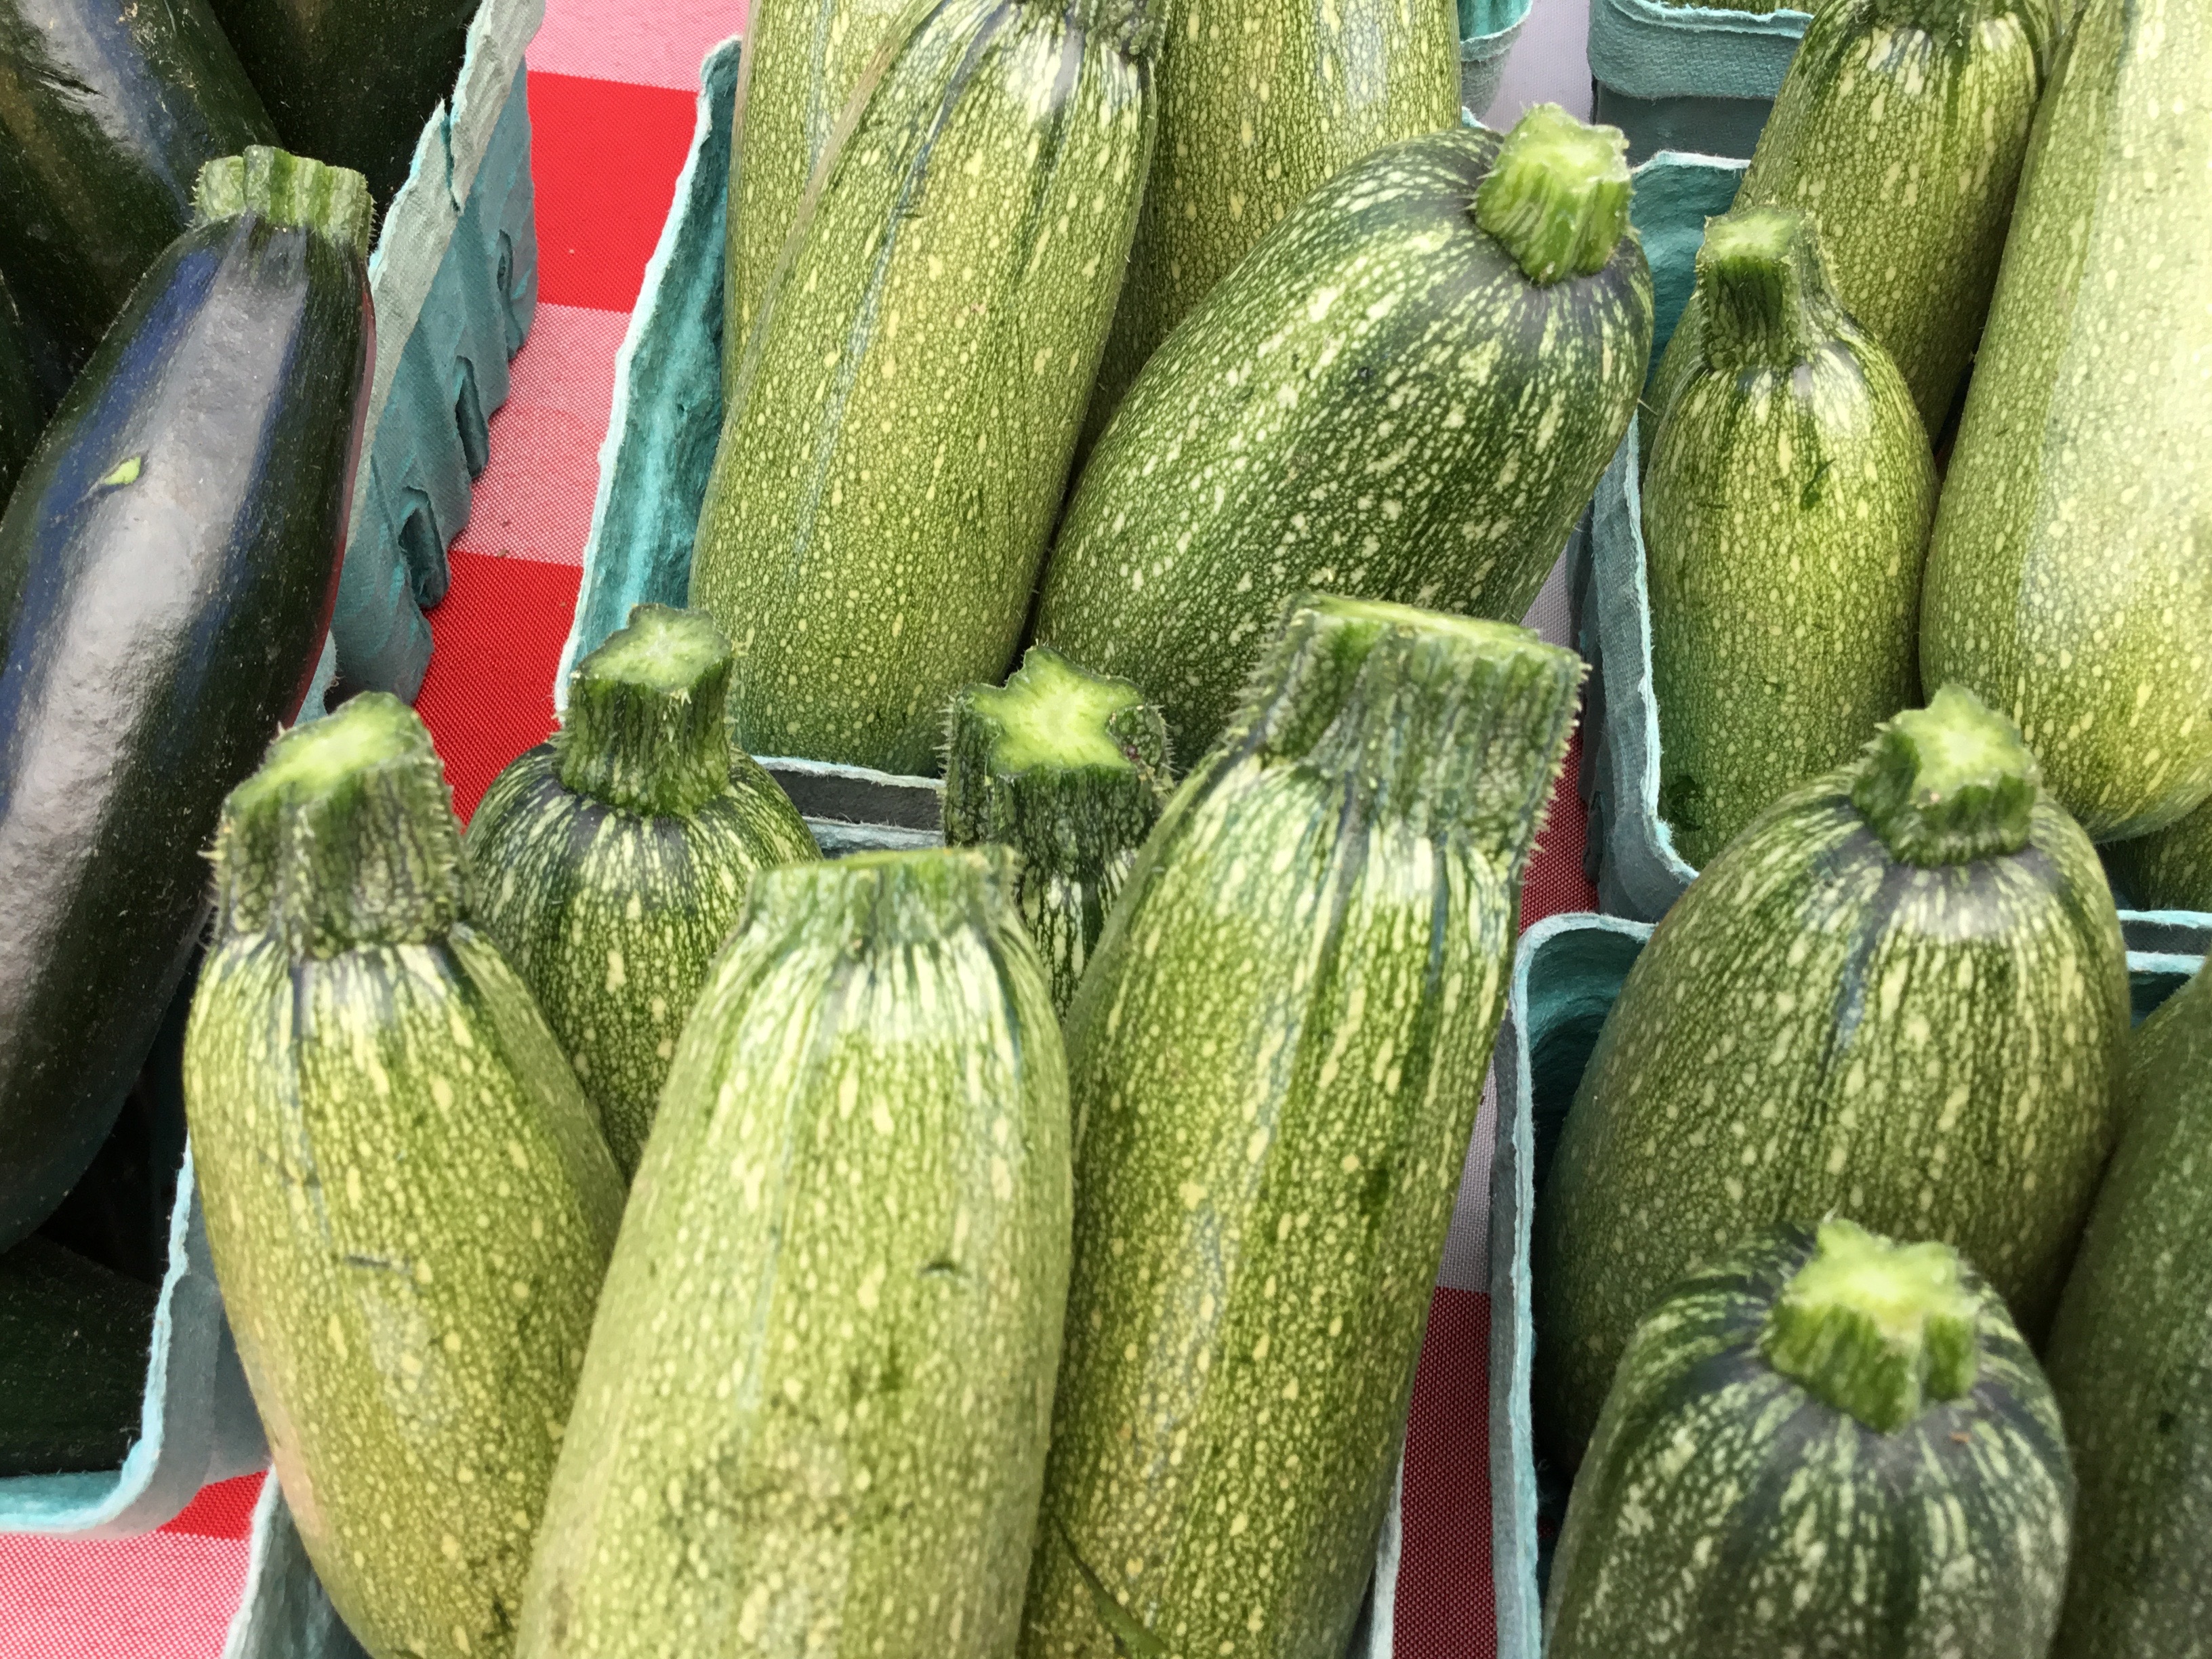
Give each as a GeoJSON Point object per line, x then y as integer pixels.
{"type": "Point", "coordinates": [611, 107]}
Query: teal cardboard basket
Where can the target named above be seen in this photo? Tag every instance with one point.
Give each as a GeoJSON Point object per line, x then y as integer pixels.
{"type": "Point", "coordinates": [1487, 30]}
{"type": "Point", "coordinates": [1688, 77]}
{"type": "Point", "coordinates": [1565, 975]}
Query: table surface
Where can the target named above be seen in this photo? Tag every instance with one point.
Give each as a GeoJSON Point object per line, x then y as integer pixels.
{"type": "Point", "coordinates": [613, 93]}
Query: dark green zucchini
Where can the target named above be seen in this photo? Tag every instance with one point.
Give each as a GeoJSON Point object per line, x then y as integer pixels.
{"type": "Point", "coordinates": [1820, 1444]}
{"type": "Point", "coordinates": [352, 83]}
{"type": "Point", "coordinates": [610, 863]}
{"type": "Point", "coordinates": [107, 114]}
{"type": "Point", "coordinates": [74, 1339]}
{"type": "Point", "coordinates": [1900, 996]}
{"type": "Point", "coordinates": [2129, 1358]}
{"type": "Point", "coordinates": [1406, 392]}
{"type": "Point", "coordinates": [1070, 769]}
{"type": "Point", "coordinates": [168, 565]}
{"type": "Point", "coordinates": [22, 406]}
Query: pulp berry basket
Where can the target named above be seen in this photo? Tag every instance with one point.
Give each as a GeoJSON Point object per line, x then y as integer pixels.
{"type": "Point", "coordinates": [1565, 975]}
{"type": "Point", "coordinates": [453, 277]}
{"type": "Point", "coordinates": [1688, 77]}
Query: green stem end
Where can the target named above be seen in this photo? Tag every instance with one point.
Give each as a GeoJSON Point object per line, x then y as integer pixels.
{"type": "Point", "coordinates": [1949, 783]}
{"type": "Point", "coordinates": [1878, 1330]}
{"type": "Point", "coordinates": [646, 727]}
{"type": "Point", "coordinates": [286, 189]}
{"type": "Point", "coordinates": [1764, 292]}
{"type": "Point", "coordinates": [1557, 196]}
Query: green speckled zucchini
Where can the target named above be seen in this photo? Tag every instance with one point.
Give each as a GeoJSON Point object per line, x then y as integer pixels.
{"type": "Point", "coordinates": [2169, 869]}
{"type": "Point", "coordinates": [1900, 996]}
{"type": "Point", "coordinates": [1901, 128]}
{"type": "Point", "coordinates": [1819, 1444]}
{"type": "Point", "coordinates": [848, 1244]}
{"type": "Point", "coordinates": [802, 60]}
{"type": "Point", "coordinates": [408, 1200]}
{"type": "Point", "coordinates": [22, 402]}
{"type": "Point", "coordinates": [1785, 515]}
{"type": "Point", "coordinates": [1070, 769]}
{"type": "Point", "coordinates": [1262, 101]}
{"type": "Point", "coordinates": [898, 434]}
{"type": "Point", "coordinates": [1276, 1060]}
{"type": "Point", "coordinates": [610, 863]}
{"type": "Point", "coordinates": [2129, 1357]}
{"type": "Point", "coordinates": [1407, 393]}
{"type": "Point", "coordinates": [2065, 577]}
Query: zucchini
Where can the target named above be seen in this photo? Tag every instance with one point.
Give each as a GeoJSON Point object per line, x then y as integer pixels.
{"type": "Point", "coordinates": [22, 406]}
{"type": "Point", "coordinates": [1394, 398]}
{"type": "Point", "coordinates": [1276, 1058]}
{"type": "Point", "coordinates": [1070, 769]}
{"type": "Point", "coordinates": [2169, 869]}
{"type": "Point", "coordinates": [168, 565]}
{"type": "Point", "coordinates": [1901, 128]}
{"type": "Point", "coordinates": [1900, 996]}
{"type": "Point", "coordinates": [849, 1243]}
{"type": "Point", "coordinates": [74, 1341]}
{"type": "Point", "coordinates": [107, 114]}
{"type": "Point", "coordinates": [1822, 1444]}
{"type": "Point", "coordinates": [1262, 103]}
{"type": "Point", "coordinates": [353, 84]}
{"type": "Point", "coordinates": [608, 863]}
{"type": "Point", "coordinates": [1785, 516]}
{"type": "Point", "coordinates": [2128, 1356]}
{"type": "Point", "coordinates": [802, 60]}
{"type": "Point", "coordinates": [408, 1201]}
{"type": "Point", "coordinates": [898, 434]}
{"type": "Point", "coordinates": [2062, 579]}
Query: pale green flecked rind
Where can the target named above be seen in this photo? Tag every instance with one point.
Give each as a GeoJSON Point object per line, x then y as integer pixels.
{"type": "Point", "coordinates": [1261, 102]}
{"type": "Point", "coordinates": [2169, 869]}
{"type": "Point", "coordinates": [1931, 1053]}
{"type": "Point", "coordinates": [1785, 516]}
{"type": "Point", "coordinates": [1276, 1061]}
{"type": "Point", "coordinates": [409, 1208]}
{"type": "Point", "coordinates": [1903, 139]}
{"type": "Point", "coordinates": [1379, 402]}
{"type": "Point", "coordinates": [814, 1417]}
{"type": "Point", "coordinates": [2130, 1356]}
{"type": "Point", "coordinates": [613, 916]}
{"type": "Point", "coordinates": [897, 441]}
{"type": "Point", "coordinates": [1724, 1511]}
{"type": "Point", "coordinates": [2064, 578]}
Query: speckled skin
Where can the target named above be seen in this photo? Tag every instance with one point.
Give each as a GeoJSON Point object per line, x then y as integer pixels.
{"type": "Point", "coordinates": [1261, 102]}
{"type": "Point", "coordinates": [1277, 1057]}
{"type": "Point", "coordinates": [613, 917]}
{"type": "Point", "coordinates": [1785, 518]}
{"type": "Point", "coordinates": [2129, 1357]}
{"type": "Point", "coordinates": [1901, 128]}
{"type": "Point", "coordinates": [896, 442]}
{"type": "Point", "coordinates": [2169, 869]}
{"type": "Point", "coordinates": [410, 1209]}
{"type": "Point", "coordinates": [2064, 579]}
{"type": "Point", "coordinates": [802, 59]}
{"type": "Point", "coordinates": [1724, 1511]}
{"type": "Point", "coordinates": [813, 1418]}
{"type": "Point", "coordinates": [1932, 1053]}
{"type": "Point", "coordinates": [1378, 402]}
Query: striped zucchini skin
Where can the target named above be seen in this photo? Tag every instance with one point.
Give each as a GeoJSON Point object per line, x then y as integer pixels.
{"type": "Point", "coordinates": [610, 863]}
{"type": "Point", "coordinates": [2128, 1358]}
{"type": "Point", "coordinates": [1726, 1510]}
{"type": "Point", "coordinates": [848, 1248]}
{"type": "Point", "coordinates": [802, 60]}
{"type": "Point", "coordinates": [897, 440]}
{"type": "Point", "coordinates": [1262, 101]}
{"type": "Point", "coordinates": [408, 1200]}
{"type": "Point", "coordinates": [1786, 509]}
{"type": "Point", "coordinates": [1901, 128]}
{"type": "Point", "coordinates": [2062, 579]}
{"type": "Point", "coordinates": [1276, 1059]}
{"type": "Point", "coordinates": [1818, 1026]}
{"type": "Point", "coordinates": [1379, 401]}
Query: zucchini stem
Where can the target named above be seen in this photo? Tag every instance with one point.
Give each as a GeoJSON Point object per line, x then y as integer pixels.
{"type": "Point", "coordinates": [1764, 289]}
{"type": "Point", "coordinates": [1878, 1330]}
{"type": "Point", "coordinates": [1557, 196]}
{"type": "Point", "coordinates": [647, 729]}
{"type": "Point", "coordinates": [1949, 783]}
{"type": "Point", "coordinates": [345, 838]}
{"type": "Point", "coordinates": [287, 189]}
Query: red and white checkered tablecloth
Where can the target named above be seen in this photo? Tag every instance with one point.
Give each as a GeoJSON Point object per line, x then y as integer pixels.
{"type": "Point", "coordinates": [612, 87]}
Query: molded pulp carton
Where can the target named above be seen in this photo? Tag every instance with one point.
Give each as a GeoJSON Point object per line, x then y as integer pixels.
{"type": "Point", "coordinates": [1688, 77]}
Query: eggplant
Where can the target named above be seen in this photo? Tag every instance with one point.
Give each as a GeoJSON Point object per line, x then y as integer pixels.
{"type": "Point", "coordinates": [22, 407]}
{"type": "Point", "coordinates": [167, 567]}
